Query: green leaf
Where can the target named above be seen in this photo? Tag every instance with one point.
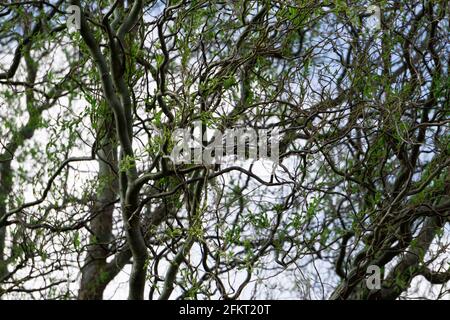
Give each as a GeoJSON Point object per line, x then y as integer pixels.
{"type": "Point", "coordinates": [76, 240]}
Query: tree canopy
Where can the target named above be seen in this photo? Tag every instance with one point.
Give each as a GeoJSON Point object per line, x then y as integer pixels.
{"type": "Point", "coordinates": [93, 206]}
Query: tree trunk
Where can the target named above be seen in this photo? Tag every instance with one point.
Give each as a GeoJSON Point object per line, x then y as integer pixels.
{"type": "Point", "coordinates": [95, 276]}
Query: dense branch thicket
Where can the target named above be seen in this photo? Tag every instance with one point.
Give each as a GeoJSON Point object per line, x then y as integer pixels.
{"type": "Point", "coordinates": [92, 206]}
